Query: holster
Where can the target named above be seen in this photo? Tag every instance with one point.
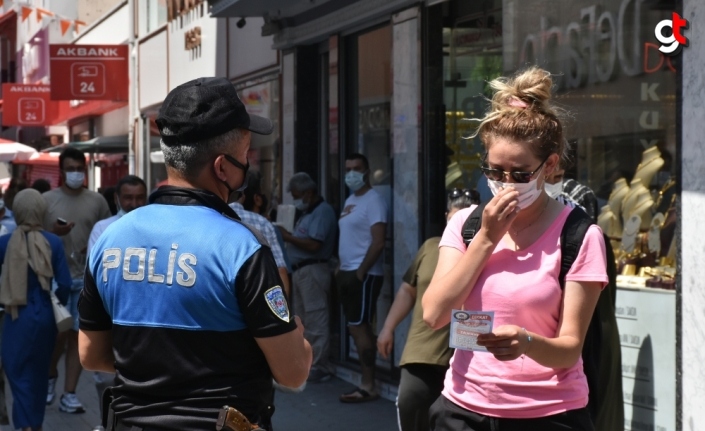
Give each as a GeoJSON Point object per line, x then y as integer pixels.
{"type": "Point", "coordinates": [230, 419]}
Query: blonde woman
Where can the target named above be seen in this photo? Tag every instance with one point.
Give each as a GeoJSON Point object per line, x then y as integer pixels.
{"type": "Point", "coordinates": [532, 377]}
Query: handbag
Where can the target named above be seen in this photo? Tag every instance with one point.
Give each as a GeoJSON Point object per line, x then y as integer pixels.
{"type": "Point", "coordinates": [64, 320]}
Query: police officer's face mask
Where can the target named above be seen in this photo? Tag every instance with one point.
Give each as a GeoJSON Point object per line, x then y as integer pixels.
{"type": "Point", "coordinates": [244, 168]}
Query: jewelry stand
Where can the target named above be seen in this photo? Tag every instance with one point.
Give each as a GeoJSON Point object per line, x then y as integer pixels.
{"type": "Point", "coordinates": [631, 230]}
{"type": "Point", "coordinates": [651, 163]}
{"type": "Point", "coordinates": [619, 191]}
{"type": "Point", "coordinates": [609, 222]}
{"type": "Point", "coordinates": [655, 233]}
{"type": "Point", "coordinates": [636, 200]}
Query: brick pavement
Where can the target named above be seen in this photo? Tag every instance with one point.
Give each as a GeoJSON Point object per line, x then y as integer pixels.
{"type": "Point", "coordinates": [316, 408]}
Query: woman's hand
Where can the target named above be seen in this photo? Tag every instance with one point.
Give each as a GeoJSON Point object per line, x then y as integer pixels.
{"type": "Point", "coordinates": [506, 342]}
{"type": "Point", "coordinates": [499, 214]}
{"type": "Point", "coordinates": [385, 339]}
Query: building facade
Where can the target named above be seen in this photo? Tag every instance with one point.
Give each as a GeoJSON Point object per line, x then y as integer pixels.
{"type": "Point", "coordinates": [397, 81]}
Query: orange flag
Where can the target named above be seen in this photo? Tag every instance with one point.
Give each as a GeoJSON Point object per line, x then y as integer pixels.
{"type": "Point", "coordinates": [2, 3]}
{"type": "Point", "coordinates": [26, 12]}
{"type": "Point", "coordinates": [65, 25]}
{"type": "Point", "coordinates": [41, 12]}
{"type": "Point", "coordinates": [77, 22]}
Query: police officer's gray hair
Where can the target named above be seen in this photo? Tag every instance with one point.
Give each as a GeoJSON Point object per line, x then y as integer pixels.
{"type": "Point", "coordinates": [301, 182]}
{"type": "Point", "coordinates": [189, 159]}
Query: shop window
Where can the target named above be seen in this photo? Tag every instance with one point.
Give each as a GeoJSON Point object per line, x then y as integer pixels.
{"type": "Point", "coordinates": [368, 97]}
{"type": "Point", "coordinates": [620, 94]}
{"type": "Point", "coordinates": [262, 98]}
{"type": "Point", "coordinates": [156, 14]}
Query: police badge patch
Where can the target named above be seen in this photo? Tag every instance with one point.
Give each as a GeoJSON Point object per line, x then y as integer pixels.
{"type": "Point", "coordinates": [277, 302]}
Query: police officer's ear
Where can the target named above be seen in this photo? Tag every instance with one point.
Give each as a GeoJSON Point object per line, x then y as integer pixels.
{"type": "Point", "coordinates": [219, 168]}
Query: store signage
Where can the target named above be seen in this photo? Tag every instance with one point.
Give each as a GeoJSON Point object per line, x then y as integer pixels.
{"type": "Point", "coordinates": [27, 105]}
{"type": "Point", "coordinates": [89, 72]}
{"type": "Point", "coordinates": [647, 331]}
{"type": "Point", "coordinates": [671, 45]}
{"type": "Point", "coordinates": [594, 47]}
{"type": "Point", "coordinates": [180, 7]}
{"type": "Point", "coordinates": [192, 38]}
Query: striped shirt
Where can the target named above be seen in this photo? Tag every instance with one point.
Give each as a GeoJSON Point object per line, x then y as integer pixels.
{"type": "Point", "coordinates": [265, 227]}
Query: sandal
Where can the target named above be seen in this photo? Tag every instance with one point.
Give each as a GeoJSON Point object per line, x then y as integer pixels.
{"type": "Point", "coordinates": [358, 395]}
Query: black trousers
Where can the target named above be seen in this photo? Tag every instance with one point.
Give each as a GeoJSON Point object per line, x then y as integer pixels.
{"type": "Point", "coordinates": [447, 416]}
{"type": "Point", "coordinates": [419, 387]}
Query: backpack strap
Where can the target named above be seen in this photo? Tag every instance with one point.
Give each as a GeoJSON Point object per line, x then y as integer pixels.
{"type": "Point", "coordinates": [572, 235]}
{"type": "Point", "coordinates": [472, 224]}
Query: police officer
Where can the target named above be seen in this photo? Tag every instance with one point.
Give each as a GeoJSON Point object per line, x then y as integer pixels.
{"type": "Point", "coordinates": [183, 300]}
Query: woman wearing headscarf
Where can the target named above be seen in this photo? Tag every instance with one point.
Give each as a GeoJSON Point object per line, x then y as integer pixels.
{"type": "Point", "coordinates": [31, 258]}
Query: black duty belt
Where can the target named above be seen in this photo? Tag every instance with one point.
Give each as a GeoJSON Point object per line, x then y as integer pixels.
{"type": "Point", "coordinates": [307, 262]}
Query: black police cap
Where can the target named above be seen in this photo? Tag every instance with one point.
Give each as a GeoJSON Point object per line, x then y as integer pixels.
{"type": "Point", "coordinates": [205, 108]}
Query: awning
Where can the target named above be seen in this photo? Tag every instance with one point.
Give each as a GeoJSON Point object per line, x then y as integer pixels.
{"type": "Point", "coordinates": [102, 145]}
{"type": "Point", "coordinates": [12, 151]}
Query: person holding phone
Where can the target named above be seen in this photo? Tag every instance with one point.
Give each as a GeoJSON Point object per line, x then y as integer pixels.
{"type": "Point", "coordinates": [72, 211]}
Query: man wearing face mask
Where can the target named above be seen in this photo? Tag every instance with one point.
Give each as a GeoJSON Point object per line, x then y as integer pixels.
{"type": "Point", "coordinates": [130, 194]}
{"type": "Point", "coordinates": [568, 190]}
{"type": "Point", "coordinates": [310, 247]}
{"type": "Point", "coordinates": [182, 299]}
{"type": "Point", "coordinates": [79, 210]}
{"type": "Point", "coordinates": [362, 224]}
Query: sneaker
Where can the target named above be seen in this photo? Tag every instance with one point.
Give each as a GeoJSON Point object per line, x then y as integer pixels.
{"type": "Point", "coordinates": [99, 428]}
{"type": "Point", "coordinates": [318, 376]}
{"type": "Point", "coordinates": [51, 391]}
{"type": "Point", "coordinates": [69, 404]}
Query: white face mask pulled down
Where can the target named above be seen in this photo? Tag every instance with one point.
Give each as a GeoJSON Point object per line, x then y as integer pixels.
{"type": "Point", "coordinates": [528, 192]}
{"type": "Point", "coordinates": [553, 190]}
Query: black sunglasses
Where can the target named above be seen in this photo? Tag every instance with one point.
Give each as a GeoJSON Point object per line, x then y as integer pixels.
{"type": "Point", "coordinates": [456, 193]}
{"type": "Point", "coordinates": [498, 174]}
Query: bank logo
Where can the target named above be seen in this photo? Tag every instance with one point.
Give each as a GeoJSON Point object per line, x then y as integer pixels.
{"type": "Point", "coordinates": [671, 45]}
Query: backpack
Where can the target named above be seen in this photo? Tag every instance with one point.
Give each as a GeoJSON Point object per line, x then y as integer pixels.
{"type": "Point", "coordinates": [602, 357]}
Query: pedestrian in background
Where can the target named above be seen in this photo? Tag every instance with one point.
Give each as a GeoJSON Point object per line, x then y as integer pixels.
{"type": "Point", "coordinates": [130, 194]}
{"type": "Point", "coordinates": [41, 185]}
{"type": "Point", "coordinates": [532, 377]}
{"type": "Point", "coordinates": [363, 229]}
{"type": "Point", "coordinates": [197, 318]}
{"type": "Point", "coordinates": [31, 258]}
{"type": "Point", "coordinates": [265, 228]}
{"type": "Point", "coordinates": [424, 360]}
{"type": "Point", "coordinates": [79, 209]}
{"type": "Point", "coordinates": [310, 248]}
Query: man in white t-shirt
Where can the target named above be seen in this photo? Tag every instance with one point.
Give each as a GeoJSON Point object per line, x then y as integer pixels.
{"type": "Point", "coordinates": [363, 225]}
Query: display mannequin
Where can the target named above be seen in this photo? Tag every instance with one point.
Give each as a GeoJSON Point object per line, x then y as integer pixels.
{"type": "Point", "coordinates": [638, 202]}
{"type": "Point", "coordinates": [609, 222]}
{"type": "Point", "coordinates": [651, 163]}
{"type": "Point", "coordinates": [619, 190]}
{"type": "Point", "coordinates": [630, 233]}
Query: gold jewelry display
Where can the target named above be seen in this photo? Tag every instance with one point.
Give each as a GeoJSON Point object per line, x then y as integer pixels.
{"type": "Point", "coordinates": [670, 183]}
{"type": "Point", "coordinates": [619, 191]}
{"type": "Point", "coordinates": [635, 202]}
{"type": "Point", "coordinates": [655, 233]}
{"type": "Point", "coordinates": [651, 162]}
{"type": "Point", "coordinates": [631, 229]}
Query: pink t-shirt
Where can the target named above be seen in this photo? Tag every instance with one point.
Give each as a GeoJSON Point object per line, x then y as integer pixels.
{"type": "Point", "coordinates": [522, 289]}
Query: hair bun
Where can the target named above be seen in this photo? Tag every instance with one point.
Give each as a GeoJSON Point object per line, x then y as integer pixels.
{"type": "Point", "coordinates": [528, 89]}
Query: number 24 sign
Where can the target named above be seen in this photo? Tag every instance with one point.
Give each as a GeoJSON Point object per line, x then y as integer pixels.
{"type": "Point", "coordinates": [89, 72]}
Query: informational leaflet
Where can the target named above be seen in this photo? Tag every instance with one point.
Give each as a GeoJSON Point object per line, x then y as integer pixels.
{"type": "Point", "coordinates": [466, 325]}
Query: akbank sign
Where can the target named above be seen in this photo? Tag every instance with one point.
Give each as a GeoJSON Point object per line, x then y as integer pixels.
{"type": "Point", "coordinates": [598, 45]}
